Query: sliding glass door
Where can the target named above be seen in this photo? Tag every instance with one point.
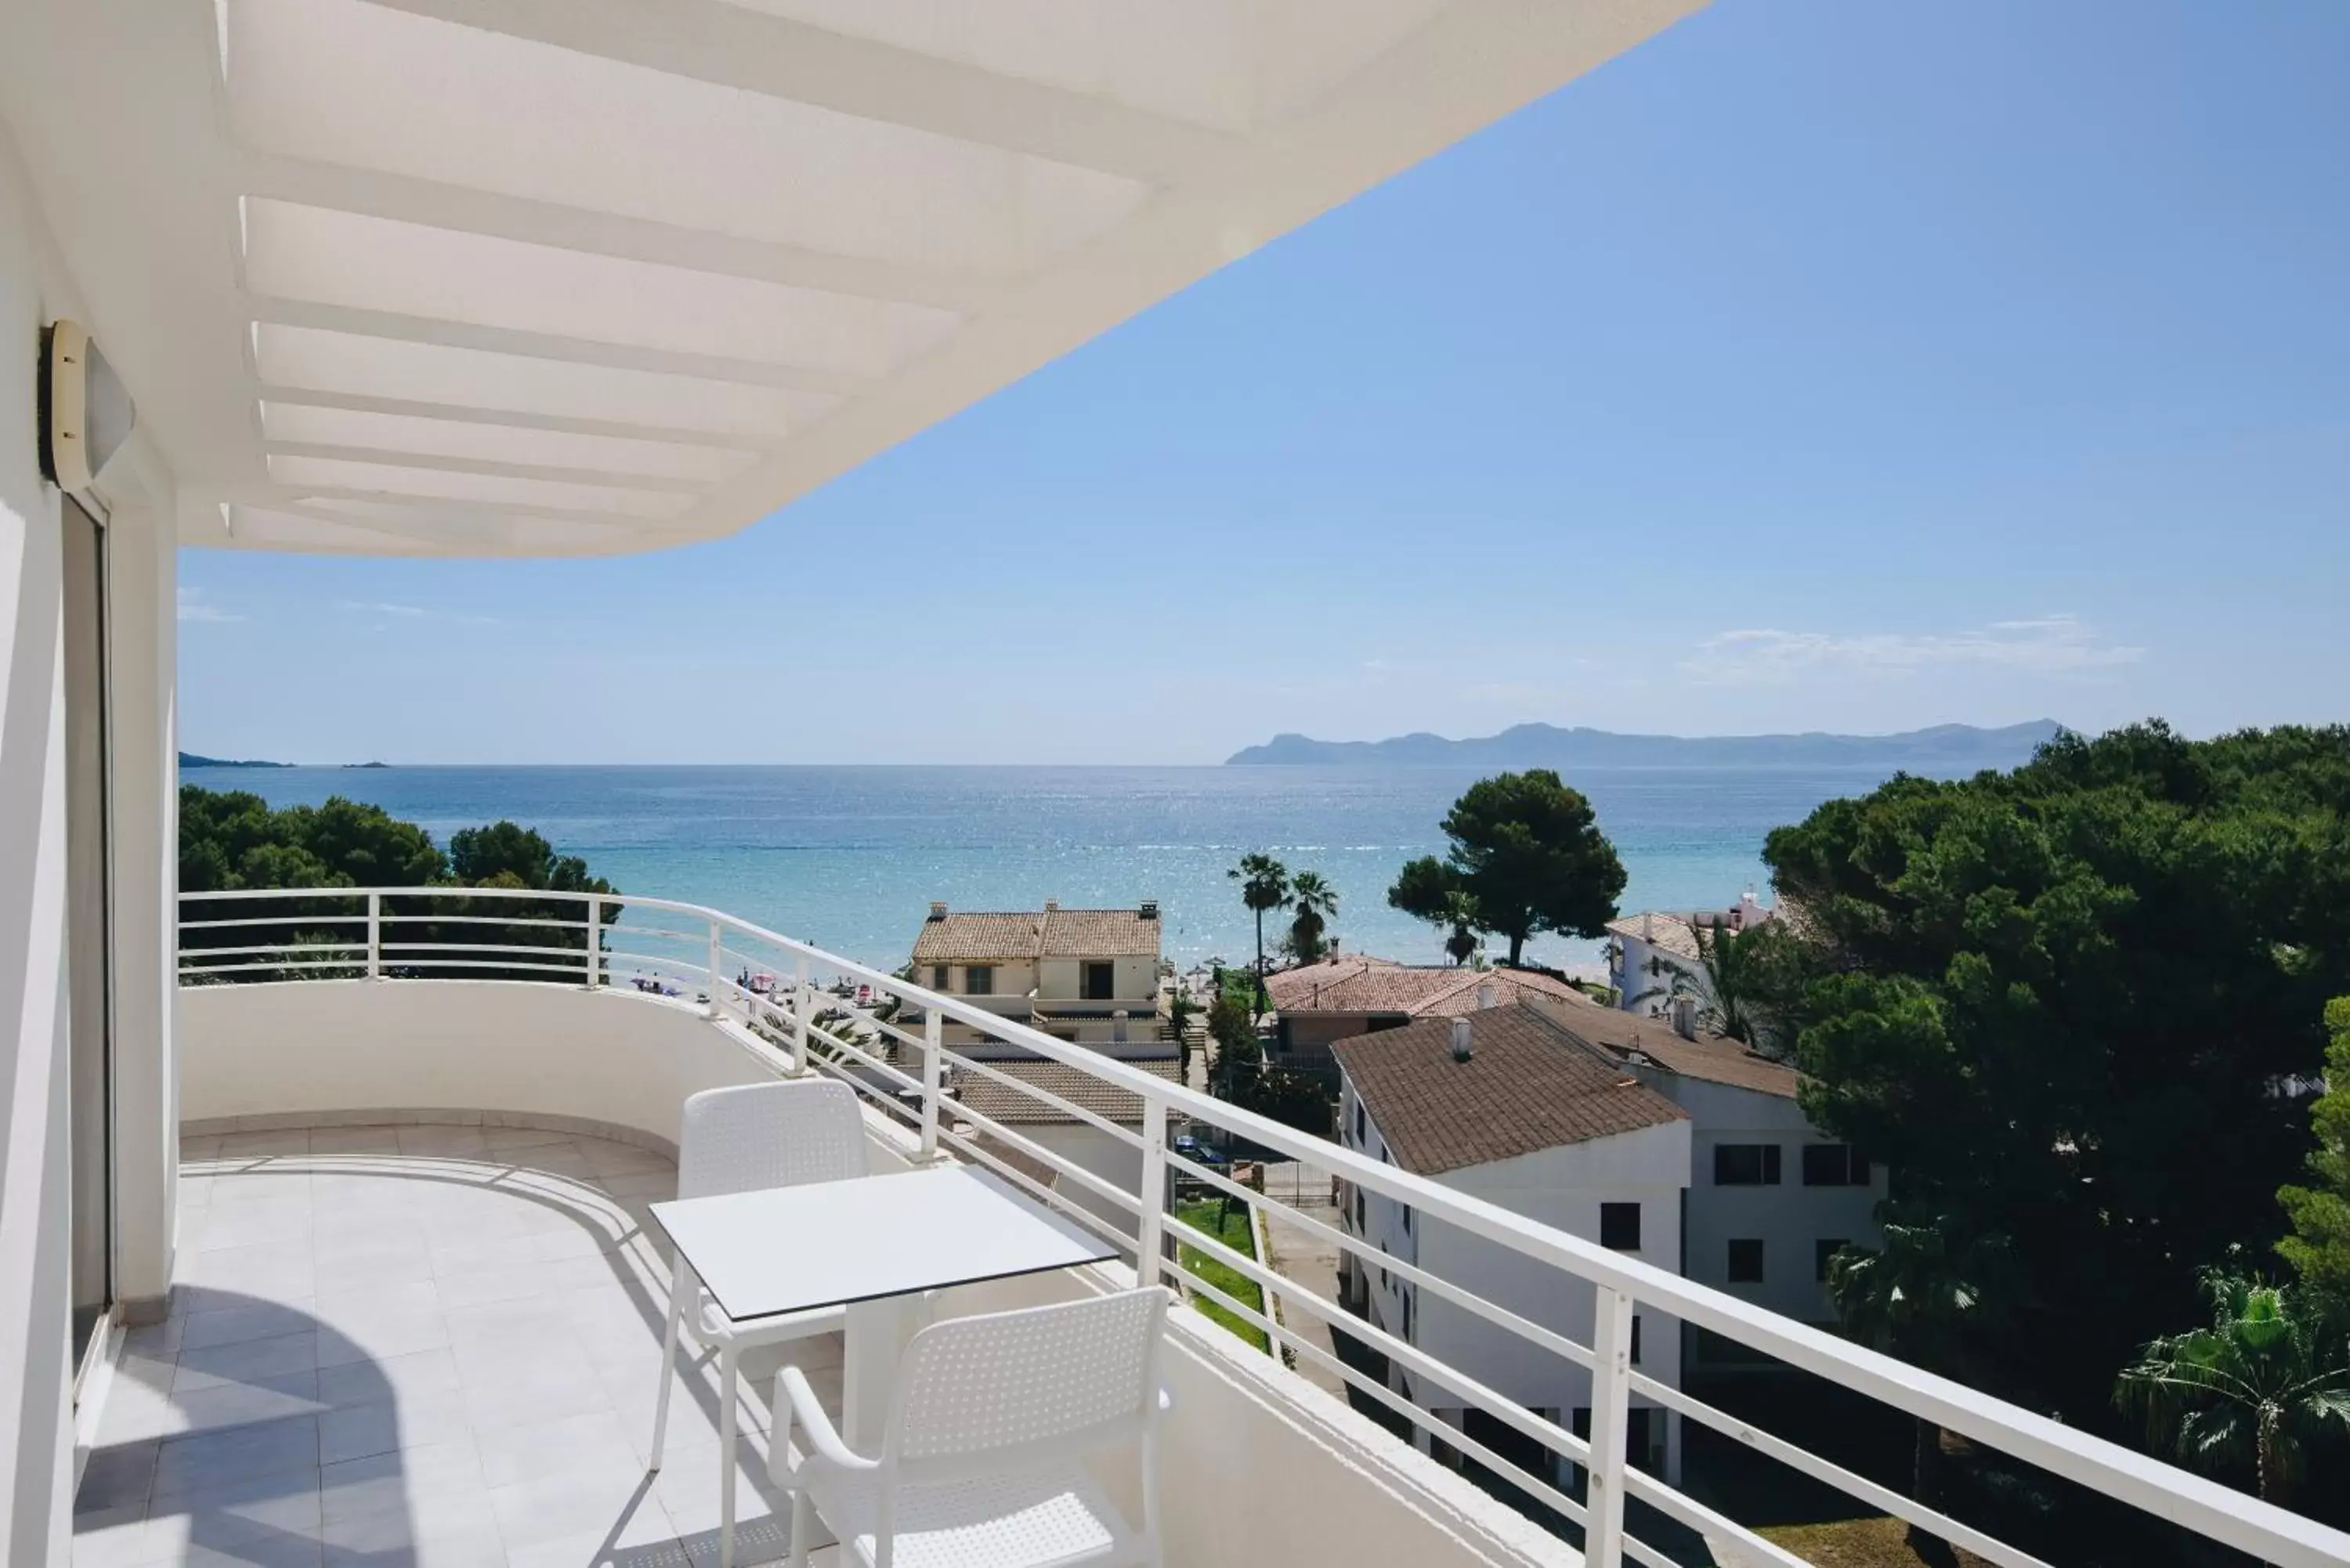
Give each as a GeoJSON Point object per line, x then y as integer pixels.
{"type": "Point", "coordinates": [89, 992]}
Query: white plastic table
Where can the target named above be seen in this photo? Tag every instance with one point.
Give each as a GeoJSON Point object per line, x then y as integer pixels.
{"type": "Point", "coordinates": [874, 1243]}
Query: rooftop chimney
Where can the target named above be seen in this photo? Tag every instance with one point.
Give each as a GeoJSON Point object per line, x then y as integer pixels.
{"type": "Point", "coordinates": [1460, 1051]}
{"type": "Point", "coordinates": [938, 909]}
{"type": "Point", "coordinates": [1051, 904]}
{"type": "Point", "coordinates": [1486, 995]}
{"type": "Point", "coordinates": [1150, 910]}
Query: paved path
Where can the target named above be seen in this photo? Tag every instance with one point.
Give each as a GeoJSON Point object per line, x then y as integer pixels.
{"type": "Point", "coordinates": [1310, 1260]}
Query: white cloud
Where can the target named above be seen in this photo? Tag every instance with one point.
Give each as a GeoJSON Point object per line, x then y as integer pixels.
{"type": "Point", "coordinates": [415, 612]}
{"type": "Point", "coordinates": [2055, 645]}
{"type": "Point", "coordinates": [193, 605]}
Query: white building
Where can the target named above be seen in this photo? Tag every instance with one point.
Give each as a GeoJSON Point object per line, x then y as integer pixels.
{"type": "Point", "coordinates": [1654, 962]}
{"type": "Point", "coordinates": [1087, 975]}
{"type": "Point", "coordinates": [503, 278]}
{"type": "Point", "coordinates": [1770, 1197]}
{"type": "Point", "coordinates": [1507, 1106]}
{"type": "Point", "coordinates": [1317, 1004]}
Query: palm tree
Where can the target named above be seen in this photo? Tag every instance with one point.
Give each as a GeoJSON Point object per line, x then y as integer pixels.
{"type": "Point", "coordinates": [2253, 1390]}
{"type": "Point", "coordinates": [1920, 1297]}
{"type": "Point", "coordinates": [1265, 885]}
{"type": "Point", "coordinates": [1314, 901]}
{"type": "Point", "coordinates": [1726, 983]}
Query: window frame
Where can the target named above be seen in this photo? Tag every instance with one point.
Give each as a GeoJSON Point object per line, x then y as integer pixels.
{"type": "Point", "coordinates": [1616, 1211]}
{"type": "Point", "coordinates": [1849, 1169]}
{"type": "Point", "coordinates": [1769, 1169]}
{"type": "Point", "coordinates": [979, 979]}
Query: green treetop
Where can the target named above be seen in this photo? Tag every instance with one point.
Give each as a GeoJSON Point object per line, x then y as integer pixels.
{"type": "Point", "coordinates": [1527, 856]}
{"type": "Point", "coordinates": [2069, 1004]}
{"type": "Point", "coordinates": [2319, 1247]}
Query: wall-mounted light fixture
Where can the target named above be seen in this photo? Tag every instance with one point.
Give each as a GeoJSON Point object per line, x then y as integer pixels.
{"type": "Point", "coordinates": [86, 411]}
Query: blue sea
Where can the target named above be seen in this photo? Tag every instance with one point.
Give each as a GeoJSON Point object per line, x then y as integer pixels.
{"type": "Point", "coordinates": [850, 858]}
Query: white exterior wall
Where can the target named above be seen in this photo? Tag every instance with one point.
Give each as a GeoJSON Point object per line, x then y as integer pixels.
{"type": "Point", "coordinates": [1135, 975]}
{"type": "Point", "coordinates": [1013, 978]}
{"type": "Point", "coordinates": [1631, 979]}
{"type": "Point", "coordinates": [1091, 1149]}
{"type": "Point", "coordinates": [35, 1326]}
{"type": "Point", "coordinates": [1788, 1219]}
{"type": "Point", "coordinates": [347, 1045]}
{"type": "Point", "coordinates": [1562, 1187]}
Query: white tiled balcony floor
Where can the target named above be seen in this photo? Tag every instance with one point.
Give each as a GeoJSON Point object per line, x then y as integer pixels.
{"type": "Point", "coordinates": [431, 1346]}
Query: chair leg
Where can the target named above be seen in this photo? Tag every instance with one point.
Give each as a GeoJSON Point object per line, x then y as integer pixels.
{"type": "Point", "coordinates": [681, 1281]}
{"type": "Point", "coordinates": [726, 1466]}
{"type": "Point", "coordinates": [803, 1521]}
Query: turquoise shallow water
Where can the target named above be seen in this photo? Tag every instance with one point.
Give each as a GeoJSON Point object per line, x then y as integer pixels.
{"type": "Point", "coordinates": [849, 858]}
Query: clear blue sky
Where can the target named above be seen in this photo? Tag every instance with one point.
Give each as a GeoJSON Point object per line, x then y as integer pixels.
{"type": "Point", "coordinates": [1842, 365]}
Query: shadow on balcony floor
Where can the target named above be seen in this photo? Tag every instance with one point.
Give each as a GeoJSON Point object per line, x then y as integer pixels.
{"type": "Point", "coordinates": [430, 1346]}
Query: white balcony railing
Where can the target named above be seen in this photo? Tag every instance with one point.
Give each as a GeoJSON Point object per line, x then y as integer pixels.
{"type": "Point", "coordinates": [815, 1019]}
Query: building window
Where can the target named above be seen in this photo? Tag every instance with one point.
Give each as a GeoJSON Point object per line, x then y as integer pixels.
{"type": "Point", "coordinates": [1746, 1263]}
{"type": "Point", "coordinates": [979, 979]}
{"type": "Point", "coordinates": [1619, 1227]}
{"type": "Point", "coordinates": [1407, 1219]}
{"type": "Point", "coordinates": [1822, 1251]}
{"type": "Point", "coordinates": [1358, 1212]}
{"type": "Point", "coordinates": [1834, 1165]}
{"type": "Point", "coordinates": [1359, 1133]}
{"type": "Point", "coordinates": [1406, 1315]}
{"type": "Point", "coordinates": [942, 978]}
{"type": "Point", "coordinates": [1636, 1339]}
{"type": "Point", "coordinates": [1746, 1165]}
{"type": "Point", "coordinates": [1099, 982]}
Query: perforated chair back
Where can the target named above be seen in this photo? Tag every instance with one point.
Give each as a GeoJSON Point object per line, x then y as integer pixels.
{"type": "Point", "coordinates": [1007, 1389]}
{"type": "Point", "coordinates": [782, 1134]}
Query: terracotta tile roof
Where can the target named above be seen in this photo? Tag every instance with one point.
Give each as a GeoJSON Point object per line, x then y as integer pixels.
{"type": "Point", "coordinates": [1715, 1058]}
{"type": "Point", "coordinates": [1357, 983]}
{"type": "Point", "coordinates": [1002, 936]}
{"type": "Point", "coordinates": [1528, 1086]}
{"type": "Point", "coordinates": [1003, 1103]}
{"type": "Point", "coordinates": [1099, 933]}
{"type": "Point", "coordinates": [978, 934]}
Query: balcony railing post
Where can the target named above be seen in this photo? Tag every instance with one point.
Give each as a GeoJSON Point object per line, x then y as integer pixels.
{"type": "Point", "coordinates": [1147, 1245]}
{"type": "Point", "coordinates": [595, 938]}
{"type": "Point", "coordinates": [375, 936]}
{"type": "Point", "coordinates": [932, 1022]}
{"type": "Point", "coordinates": [717, 958]}
{"type": "Point", "coordinates": [803, 1014]}
{"type": "Point", "coordinates": [1611, 1375]}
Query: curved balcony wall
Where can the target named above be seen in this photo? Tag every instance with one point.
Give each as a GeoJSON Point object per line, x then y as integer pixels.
{"type": "Point", "coordinates": [313, 1049]}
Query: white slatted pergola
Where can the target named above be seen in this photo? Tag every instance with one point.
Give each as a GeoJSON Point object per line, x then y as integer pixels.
{"type": "Point", "coordinates": [579, 276]}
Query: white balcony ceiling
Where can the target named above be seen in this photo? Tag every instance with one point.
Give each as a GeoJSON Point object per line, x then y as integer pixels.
{"type": "Point", "coordinates": [577, 276]}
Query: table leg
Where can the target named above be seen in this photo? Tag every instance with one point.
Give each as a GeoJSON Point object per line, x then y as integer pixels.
{"type": "Point", "coordinates": [875, 1339]}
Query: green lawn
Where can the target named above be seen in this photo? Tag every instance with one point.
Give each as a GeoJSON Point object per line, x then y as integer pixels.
{"type": "Point", "coordinates": [1875, 1543]}
{"type": "Point", "coordinates": [1205, 1216]}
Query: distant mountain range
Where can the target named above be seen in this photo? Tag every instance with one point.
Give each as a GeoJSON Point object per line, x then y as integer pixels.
{"type": "Point", "coordinates": [189, 760]}
{"type": "Point", "coordinates": [1942, 748]}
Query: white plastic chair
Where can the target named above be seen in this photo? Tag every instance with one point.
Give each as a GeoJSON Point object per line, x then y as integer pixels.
{"type": "Point", "coordinates": [982, 1464]}
{"type": "Point", "coordinates": [743, 1139]}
